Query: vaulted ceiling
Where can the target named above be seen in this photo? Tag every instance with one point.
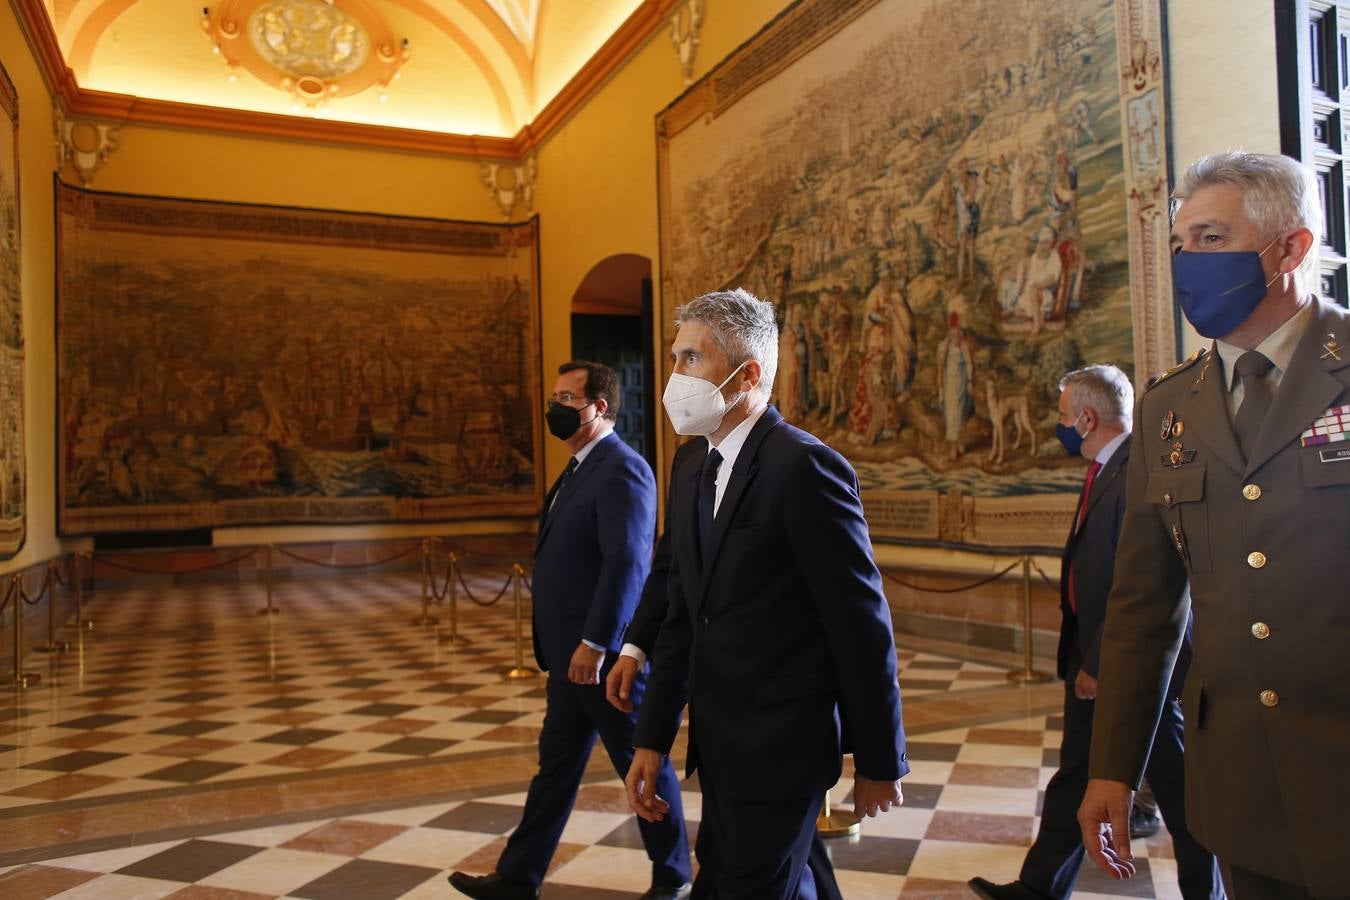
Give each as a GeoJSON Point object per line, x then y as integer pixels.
{"type": "Point", "coordinates": [470, 67]}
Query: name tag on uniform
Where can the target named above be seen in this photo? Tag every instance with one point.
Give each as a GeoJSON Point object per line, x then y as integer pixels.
{"type": "Point", "coordinates": [1341, 455]}
{"type": "Point", "coordinates": [1330, 427]}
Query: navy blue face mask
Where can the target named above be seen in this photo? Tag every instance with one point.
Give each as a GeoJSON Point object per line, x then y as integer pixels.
{"type": "Point", "coordinates": [1218, 291]}
{"type": "Point", "coordinates": [1068, 436]}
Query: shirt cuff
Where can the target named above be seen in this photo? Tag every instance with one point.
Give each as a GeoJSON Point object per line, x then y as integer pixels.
{"type": "Point", "coordinates": [593, 645]}
{"type": "Point", "coordinates": [633, 651]}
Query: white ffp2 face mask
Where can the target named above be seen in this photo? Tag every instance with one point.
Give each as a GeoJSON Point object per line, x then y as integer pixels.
{"type": "Point", "coordinates": [695, 405]}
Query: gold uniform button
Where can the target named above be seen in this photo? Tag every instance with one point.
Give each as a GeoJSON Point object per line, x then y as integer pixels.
{"type": "Point", "coordinates": [1256, 559]}
{"type": "Point", "coordinates": [1251, 491]}
{"type": "Point", "coordinates": [1270, 698]}
{"type": "Point", "coordinates": [1260, 631]}
{"type": "Point", "coordinates": [1167, 499]}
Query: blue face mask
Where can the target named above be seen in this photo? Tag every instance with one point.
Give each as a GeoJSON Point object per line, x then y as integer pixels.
{"type": "Point", "coordinates": [1068, 436]}
{"type": "Point", "coordinates": [1218, 291]}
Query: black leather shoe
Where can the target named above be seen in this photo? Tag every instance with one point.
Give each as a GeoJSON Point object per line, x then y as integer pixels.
{"type": "Point", "coordinates": [1014, 891]}
{"type": "Point", "coordinates": [492, 887]}
{"type": "Point", "coordinates": [1143, 823]}
{"type": "Point", "coordinates": [668, 892]}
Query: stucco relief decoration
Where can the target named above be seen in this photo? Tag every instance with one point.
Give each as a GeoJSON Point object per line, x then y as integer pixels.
{"type": "Point", "coordinates": [13, 480]}
{"type": "Point", "coordinates": [685, 25]}
{"type": "Point", "coordinates": [511, 185]}
{"type": "Point", "coordinates": [316, 50]}
{"type": "Point", "coordinates": [83, 146]}
{"type": "Point", "coordinates": [942, 242]}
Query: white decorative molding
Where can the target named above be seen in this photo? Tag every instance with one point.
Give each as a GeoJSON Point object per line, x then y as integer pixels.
{"type": "Point", "coordinates": [685, 24]}
{"type": "Point", "coordinates": [511, 183]}
{"type": "Point", "coordinates": [85, 146]}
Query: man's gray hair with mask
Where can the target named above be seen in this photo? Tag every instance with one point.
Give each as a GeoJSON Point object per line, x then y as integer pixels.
{"type": "Point", "coordinates": [1105, 389]}
{"type": "Point", "coordinates": [742, 325]}
{"type": "Point", "coordinates": [1279, 194]}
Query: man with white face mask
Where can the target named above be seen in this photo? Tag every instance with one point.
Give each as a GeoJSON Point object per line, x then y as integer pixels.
{"type": "Point", "coordinates": [777, 629]}
{"type": "Point", "coordinates": [1239, 481]}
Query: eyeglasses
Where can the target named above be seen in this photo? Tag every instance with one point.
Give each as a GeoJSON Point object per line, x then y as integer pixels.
{"type": "Point", "coordinates": [566, 398]}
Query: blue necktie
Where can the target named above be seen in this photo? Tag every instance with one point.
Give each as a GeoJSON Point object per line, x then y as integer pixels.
{"type": "Point", "coordinates": [707, 501]}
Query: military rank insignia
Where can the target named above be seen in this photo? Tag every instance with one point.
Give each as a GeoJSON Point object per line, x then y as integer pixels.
{"type": "Point", "coordinates": [1330, 427]}
{"type": "Point", "coordinates": [1178, 456]}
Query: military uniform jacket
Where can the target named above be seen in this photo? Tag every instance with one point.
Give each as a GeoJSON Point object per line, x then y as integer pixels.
{"type": "Point", "coordinates": [1265, 543]}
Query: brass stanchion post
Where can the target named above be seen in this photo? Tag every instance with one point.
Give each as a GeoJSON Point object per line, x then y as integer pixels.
{"type": "Point", "coordinates": [81, 623]}
{"type": "Point", "coordinates": [521, 670]}
{"type": "Point", "coordinates": [22, 680]}
{"type": "Point", "coordinates": [452, 597]}
{"type": "Point", "coordinates": [427, 576]}
{"type": "Point", "coordinates": [1027, 674]}
{"type": "Point", "coordinates": [52, 645]}
{"type": "Point", "coordinates": [836, 823]}
{"type": "Point", "coordinates": [269, 609]}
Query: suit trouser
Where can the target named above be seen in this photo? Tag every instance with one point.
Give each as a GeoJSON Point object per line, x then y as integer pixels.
{"type": "Point", "coordinates": [760, 850]}
{"type": "Point", "coordinates": [1244, 884]}
{"type": "Point", "coordinates": [1053, 862]}
{"type": "Point", "coordinates": [576, 714]}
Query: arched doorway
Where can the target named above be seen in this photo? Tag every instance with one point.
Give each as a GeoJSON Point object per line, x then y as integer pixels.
{"type": "Point", "coordinates": [612, 324]}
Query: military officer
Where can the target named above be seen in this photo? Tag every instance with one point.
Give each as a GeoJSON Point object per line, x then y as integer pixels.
{"type": "Point", "coordinates": [1239, 481]}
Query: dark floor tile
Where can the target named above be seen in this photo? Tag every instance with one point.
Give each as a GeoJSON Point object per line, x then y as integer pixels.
{"type": "Point", "coordinates": [298, 736]}
{"type": "Point", "coordinates": [97, 721]}
{"type": "Point", "coordinates": [888, 856]}
{"type": "Point", "coordinates": [367, 879]}
{"type": "Point", "coordinates": [192, 727]}
{"type": "Point", "coordinates": [417, 666]}
{"type": "Point", "coordinates": [108, 692]}
{"type": "Point", "coordinates": [34, 881]}
{"type": "Point", "coordinates": [922, 684]}
{"type": "Point", "coordinates": [486, 818]}
{"type": "Point", "coordinates": [1093, 880]}
{"type": "Point", "coordinates": [490, 716]}
{"type": "Point", "coordinates": [192, 771]}
{"type": "Point", "coordinates": [193, 697]}
{"type": "Point", "coordinates": [444, 687]}
{"type": "Point", "coordinates": [73, 762]}
{"type": "Point", "coordinates": [1050, 757]}
{"type": "Point", "coordinates": [415, 746]}
{"type": "Point", "coordinates": [274, 676]}
{"type": "Point", "coordinates": [281, 703]}
{"type": "Point", "coordinates": [921, 796]}
{"type": "Point", "coordinates": [576, 892]}
{"type": "Point", "coordinates": [340, 661]}
{"type": "Point", "coordinates": [1054, 723]}
{"type": "Point", "coordinates": [932, 752]}
{"type": "Point", "coordinates": [384, 710]}
{"type": "Point", "coordinates": [948, 664]}
{"type": "Point", "coordinates": [358, 683]}
{"type": "Point", "coordinates": [190, 861]}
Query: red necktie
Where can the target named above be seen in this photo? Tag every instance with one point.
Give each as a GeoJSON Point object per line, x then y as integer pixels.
{"type": "Point", "coordinates": [1082, 514]}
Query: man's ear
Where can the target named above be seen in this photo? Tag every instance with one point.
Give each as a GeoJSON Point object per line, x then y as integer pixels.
{"type": "Point", "coordinates": [751, 373]}
{"type": "Point", "coordinates": [1294, 247]}
{"type": "Point", "coordinates": [601, 407]}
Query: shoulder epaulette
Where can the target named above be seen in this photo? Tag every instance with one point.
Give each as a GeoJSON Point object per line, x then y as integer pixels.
{"type": "Point", "coordinates": [1179, 367]}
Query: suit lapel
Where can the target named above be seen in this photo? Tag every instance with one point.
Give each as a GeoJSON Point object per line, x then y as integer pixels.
{"type": "Point", "coordinates": [1114, 468]}
{"type": "Point", "coordinates": [1307, 389]}
{"type": "Point", "coordinates": [569, 490]}
{"type": "Point", "coordinates": [691, 560]}
{"type": "Point", "coordinates": [742, 473]}
{"type": "Point", "coordinates": [1208, 410]}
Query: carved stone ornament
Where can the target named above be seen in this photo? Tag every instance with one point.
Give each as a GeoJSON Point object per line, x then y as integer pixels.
{"type": "Point", "coordinates": [85, 146]}
{"type": "Point", "coordinates": [508, 184]}
{"type": "Point", "coordinates": [685, 24]}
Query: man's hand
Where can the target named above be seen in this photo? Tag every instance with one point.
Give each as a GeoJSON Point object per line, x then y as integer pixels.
{"type": "Point", "coordinates": [641, 784]}
{"type": "Point", "coordinates": [585, 665]}
{"type": "Point", "coordinates": [619, 684]}
{"type": "Point", "coordinates": [871, 797]}
{"type": "Point", "coordinates": [1085, 686]}
{"type": "Point", "coordinates": [1105, 820]}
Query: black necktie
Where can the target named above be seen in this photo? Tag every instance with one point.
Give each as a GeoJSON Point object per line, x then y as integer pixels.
{"type": "Point", "coordinates": [558, 485]}
{"type": "Point", "coordinates": [707, 501]}
{"type": "Point", "coordinates": [1251, 367]}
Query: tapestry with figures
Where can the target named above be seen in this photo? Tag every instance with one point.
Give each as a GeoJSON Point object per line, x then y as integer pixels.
{"type": "Point", "coordinates": [13, 499]}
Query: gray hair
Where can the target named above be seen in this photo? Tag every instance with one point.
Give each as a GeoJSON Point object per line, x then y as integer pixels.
{"type": "Point", "coordinates": [1104, 389]}
{"type": "Point", "coordinates": [1279, 194]}
{"type": "Point", "coordinates": [742, 325]}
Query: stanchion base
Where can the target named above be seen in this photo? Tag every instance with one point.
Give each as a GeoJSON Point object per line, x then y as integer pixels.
{"type": "Point", "coordinates": [268, 611]}
{"type": "Point", "coordinates": [526, 672]}
{"type": "Point", "coordinates": [425, 620]}
{"type": "Point", "coordinates": [1028, 676]}
{"type": "Point", "coordinates": [839, 823]}
{"type": "Point", "coordinates": [53, 647]}
{"type": "Point", "coordinates": [24, 680]}
{"type": "Point", "coordinates": [454, 640]}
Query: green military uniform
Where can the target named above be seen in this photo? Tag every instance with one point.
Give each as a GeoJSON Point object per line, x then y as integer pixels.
{"type": "Point", "coordinates": [1265, 544]}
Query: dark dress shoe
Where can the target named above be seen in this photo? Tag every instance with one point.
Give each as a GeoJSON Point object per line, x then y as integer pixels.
{"type": "Point", "coordinates": [1144, 823]}
{"type": "Point", "coordinates": [1013, 891]}
{"type": "Point", "coordinates": [668, 892]}
{"type": "Point", "coordinates": [492, 887]}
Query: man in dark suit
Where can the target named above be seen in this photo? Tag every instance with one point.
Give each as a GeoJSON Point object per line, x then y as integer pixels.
{"type": "Point", "coordinates": [1245, 494]}
{"type": "Point", "coordinates": [1094, 422]}
{"type": "Point", "coordinates": [591, 559]}
{"type": "Point", "coordinates": [777, 629]}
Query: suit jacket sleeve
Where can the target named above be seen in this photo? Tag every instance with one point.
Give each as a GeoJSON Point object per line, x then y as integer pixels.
{"type": "Point", "coordinates": [625, 522]}
{"type": "Point", "coordinates": [825, 525]}
{"type": "Point", "coordinates": [668, 687]}
{"type": "Point", "coordinates": [1092, 643]}
{"type": "Point", "coordinates": [1146, 615]}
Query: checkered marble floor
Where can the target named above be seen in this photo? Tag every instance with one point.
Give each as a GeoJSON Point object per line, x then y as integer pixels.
{"type": "Point", "coordinates": [183, 688]}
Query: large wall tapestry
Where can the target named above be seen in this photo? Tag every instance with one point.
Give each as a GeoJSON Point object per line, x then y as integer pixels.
{"type": "Point", "coordinates": [952, 205]}
{"type": "Point", "coordinates": [12, 479]}
{"type": "Point", "coordinates": [222, 364]}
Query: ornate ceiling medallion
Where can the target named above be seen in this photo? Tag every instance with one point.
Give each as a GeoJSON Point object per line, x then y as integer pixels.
{"type": "Point", "coordinates": [316, 50]}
